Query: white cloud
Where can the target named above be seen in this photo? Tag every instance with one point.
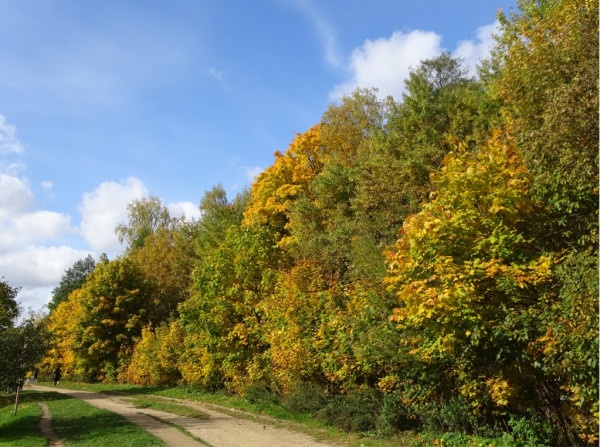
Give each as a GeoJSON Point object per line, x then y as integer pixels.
{"type": "Point", "coordinates": [15, 196]}
{"type": "Point", "coordinates": [187, 209]}
{"type": "Point", "coordinates": [34, 267]}
{"type": "Point", "coordinates": [38, 270]}
{"type": "Point", "coordinates": [105, 208]}
{"type": "Point", "coordinates": [473, 51]}
{"type": "Point", "coordinates": [34, 298]}
{"type": "Point", "coordinates": [33, 227]}
{"type": "Point", "coordinates": [9, 144]}
{"type": "Point", "coordinates": [386, 63]}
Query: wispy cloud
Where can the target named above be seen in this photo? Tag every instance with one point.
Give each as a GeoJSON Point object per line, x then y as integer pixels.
{"type": "Point", "coordinates": [9, 144]}
{"type": "Point", "coordinates": [325, 31]}
{"type": "Point", "coordinates": [218, 75]}
{"type": "Point", "coordinates": [253, 172]}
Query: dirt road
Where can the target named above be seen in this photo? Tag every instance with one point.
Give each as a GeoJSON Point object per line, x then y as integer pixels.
{"type": "Point", "coordinates": [219, 430]}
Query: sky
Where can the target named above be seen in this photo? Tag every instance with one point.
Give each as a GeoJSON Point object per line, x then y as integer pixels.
{"type": "Point", "coordinates": [105, 102]}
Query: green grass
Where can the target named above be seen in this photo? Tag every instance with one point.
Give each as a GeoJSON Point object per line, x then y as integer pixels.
{"type": "Point", "coordinates": [78, 423]}
{"type": "Point", "coordinates": [257, 408]}
{"type": "Point", "coordinates": [251, 409]}
{"type": "Point", "coordinates": [22, 429]}
{"type": "Point", "coordinates": [74, 421]}
{"type": "Point", "coordinates": [157, 403]}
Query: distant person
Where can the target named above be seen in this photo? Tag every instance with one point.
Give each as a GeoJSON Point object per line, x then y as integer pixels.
{"type": "Point", "coordinates": [56, 376]}
{"type": "Point", "coordinates": [35, 373]}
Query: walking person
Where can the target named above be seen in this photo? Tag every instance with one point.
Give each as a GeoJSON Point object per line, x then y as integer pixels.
{"type": "Point", "coordinates": [56, 375]}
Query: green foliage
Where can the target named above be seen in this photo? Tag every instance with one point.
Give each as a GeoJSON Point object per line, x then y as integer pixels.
{"type": "Point", "coordinates": [548, 83]}
{"type": "Point", "coordinates": [9, 310]}
{"type": "Point", "coordinates": [477, 319]}
{"type": "Point", "coordinates": [146, 216]}
{"type": "Point", "coordinates": [218, 214]}
{"type": "Point", "coordinates": [73, 279]}
{"type": "Point", "coordinates": [356, 411]}
{"type": "Point", "coordinates": [305, 398]}
{"type": "Point", "coordinates": [224, 342]}
{"type": "Point", "coordinates": [21, 348]}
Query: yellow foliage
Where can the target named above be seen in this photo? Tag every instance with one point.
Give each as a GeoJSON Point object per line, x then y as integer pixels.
{"type": "Point", "coordinates": [280, 184]}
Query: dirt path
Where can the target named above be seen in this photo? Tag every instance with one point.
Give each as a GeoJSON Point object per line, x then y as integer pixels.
{"type": "Point", "coordinates": [46, 427]}
{"type": "Point", "coordinates": [219, 430]}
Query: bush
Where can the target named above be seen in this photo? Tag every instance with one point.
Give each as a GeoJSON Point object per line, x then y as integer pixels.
{"type": "Point", "coordinates": [394, 416]}
{"type": "Point", "coordinates": [259, 393]}
{"type": "Point", "coordinates": [532, 431]}
{"type": "Point", "coordinates": [453, 415]}
{"type": "Point", "coordinates": [357, 411]}
{"type": "Point", "coordinates": [305, 398]}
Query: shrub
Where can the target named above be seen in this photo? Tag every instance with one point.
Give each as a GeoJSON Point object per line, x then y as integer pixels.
{"type": "Point", "coordinates": [305, 398]}
{"type": "Point", "coordinates": [356, 411]}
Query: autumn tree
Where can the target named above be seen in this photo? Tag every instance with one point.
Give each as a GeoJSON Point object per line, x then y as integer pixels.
{"type": "Point", "coordinates": [224, 342]}
{"type": "Point", "coordinates": [100, 323]}
{"type": "Point", "coordinates": [547, 80]}
{"type": "Point", "coordinates": [473, 284]}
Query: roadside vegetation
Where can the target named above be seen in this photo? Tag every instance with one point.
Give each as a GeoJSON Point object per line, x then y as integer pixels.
{"type": "Point", "coordinates": [423, 267]}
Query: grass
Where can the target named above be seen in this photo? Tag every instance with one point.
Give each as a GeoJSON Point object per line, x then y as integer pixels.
{"type": "Point", "coordinates": [260, 408]}
{"type": "Point", "coordinates": [76, 422]}
{"type": "Point", "coordinates": [243, 407]}
{"type": "Point", "coordinates": [157, 403]}
{"type": "Point", "coordinates": [22, 429]}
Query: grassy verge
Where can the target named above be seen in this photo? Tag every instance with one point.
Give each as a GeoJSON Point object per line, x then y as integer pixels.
{"type": "Point", "coordinates": [22, 429]}
{"type": "Point", "coordinates": [250, 408]}
{"type": "Point", "coordinates": [76, 422]}
{"type": "Point", "coordinates": [244, 407]}
{"type": "Point", "coordinates": [157, 403]}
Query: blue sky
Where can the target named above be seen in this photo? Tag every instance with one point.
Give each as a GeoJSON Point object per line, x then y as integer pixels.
{"type": "Point", "coordinates": [103, 102]}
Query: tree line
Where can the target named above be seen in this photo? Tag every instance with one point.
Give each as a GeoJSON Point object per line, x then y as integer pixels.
{"type": "Point", "coordinates": [424, 263]}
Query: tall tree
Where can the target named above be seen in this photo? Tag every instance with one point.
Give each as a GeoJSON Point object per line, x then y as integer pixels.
{"type": "Point", "coordinates": [146, 216]}
{"type": "Point", "coordinates": [548, 83]}
{"type": "Point", "coordinates": [218, 214]}
{"type": "Point", "coordinates": [547, 79]}
{"type": "Point", "coordinates": [72, 279]}
{"type": "Point", "coordinates": [9, 309]}
{"type": "Point", "coordinates": [22, 345]}
{"type": "Point", "coordinates": [102, 320]}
